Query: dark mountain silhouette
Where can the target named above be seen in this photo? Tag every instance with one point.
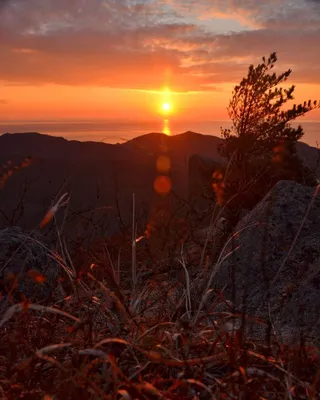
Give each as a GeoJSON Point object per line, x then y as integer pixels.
{"type": "Point", "coordinates": [100, 178]}
{"type": "Point", "coordinates": [310, 156]}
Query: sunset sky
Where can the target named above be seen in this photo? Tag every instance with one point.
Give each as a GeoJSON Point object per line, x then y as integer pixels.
{"type": "Point", "coordinates": [112, 59]}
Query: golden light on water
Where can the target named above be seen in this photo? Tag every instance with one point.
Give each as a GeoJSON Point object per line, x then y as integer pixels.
{"type": "Point", "coordinates": [166, 128]}
{"type": "Point", "coordinates": [166, 109]}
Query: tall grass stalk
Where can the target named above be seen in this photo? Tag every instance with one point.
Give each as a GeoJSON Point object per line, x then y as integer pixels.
{"type": "Point", "coordinates": [134, 247]}
{"type": "Point", "coordinates": [187, 289]}
{"type": "Point", "coordinates": [36, 307]}
{"type": "Point", "coordinates": [216, 268]}
{"type": "Point", "coordinates": [316, 192]}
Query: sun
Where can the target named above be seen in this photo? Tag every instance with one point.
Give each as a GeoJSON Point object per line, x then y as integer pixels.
{"type": "Point", "coordinates": [166, 107]}
{"type": "Point", "coordinates": [166, 103]}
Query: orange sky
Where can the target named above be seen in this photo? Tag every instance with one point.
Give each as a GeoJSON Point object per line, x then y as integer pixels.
{"type": "Point", "coordinates": [71, 102]}
{"type": "Point", "coordinates": [63, 102]}
{"type": "Point", "coordinates": [88, 59]}
{"type": "Point", "coordinates": [56, 102]}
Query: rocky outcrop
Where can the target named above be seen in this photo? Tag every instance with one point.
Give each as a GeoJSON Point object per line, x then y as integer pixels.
{"type": "Point", "coordinates": [26, 267]}
{"type": "Point", "coordinates": [273, 271]}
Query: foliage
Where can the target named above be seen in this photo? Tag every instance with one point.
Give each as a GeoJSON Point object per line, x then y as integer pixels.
{"type": "Point", "coordinates": [112, 344]}
{"type": "Point", "coordinates": [165, 334]}
{"type": "Point", "coordinates": [261, 145]}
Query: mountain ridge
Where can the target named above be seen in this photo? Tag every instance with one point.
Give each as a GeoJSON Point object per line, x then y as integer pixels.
{"type": "Point", "coordinates": [98, 176]}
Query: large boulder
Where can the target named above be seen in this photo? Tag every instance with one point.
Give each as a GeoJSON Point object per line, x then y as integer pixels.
{"type": "Point", "coordinates": [26, 267]}
{"type": "Point", "coordinates": [273, 271]}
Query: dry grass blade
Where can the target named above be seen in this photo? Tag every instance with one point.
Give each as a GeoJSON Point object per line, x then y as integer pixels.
{"type": "Point", "coordinates": [212, 275]}
{"type": "Point", "coordinates": [287, 384]}
{"type": "Point", "coordinates": [188, 294]}
{"type": "Point", "coordinates": [275, 363]}
{"type": "Point", "coordinates": [110, 293]}
{"type": "Point", "coordinates": [140, 370]}
{"type": "Point", "coordinates": [271, 360]}
{"type": "Point", "coordinates": [26, 237]}
{"type": "Point", "coordinates": [219, 262]}
{"type": "Point", "coordinates": [253, 371]}
{"type": "Point", "coordinates": [316, 192]}
{"type": "Point", "coordinates": [158, 358]}
{"type": "Point", "coordinates": [9, 313]}
{"type": "Point", "coordinates": [124, 395]}
{"type": "Point", "coordinates": [52, 361]}
{"type": "Point", "coordinates": [137, 300]}
{"type": "Point", "coordinates": [67, 256]}
{"type": "Point", "coordinates": [113, 340]}
{"type": "Point", "coordinates": [52, 347]}
{"type": "Point", "coordinates": [153, 328]}
{"type": "Point", "coordinates": [199, 384]}
{"type": "Point", "coordinates": [71, 273]}
{"type": "Point", "coordinates": [211, 225]}
{"type": "Point", "coordinates": [53, 310]}
{"type": "Point", "coordinates": [313, 391]}
{"type": "Point", "coordinates": [94, 353]}
{"type": "Point", "coordinates": [151, 390]}
{"type": "Point", "coordinates": [53, 210]}
{"type": "Point", "coordinates": [189, 362]}
{"type": "Point", "coordinates": [140, 238]}
{"type": "Point", "coordinates": [22, 306]}
{"type": "Point", "coordinates": [42, 354]}
{"type": "Point", "coordinates": [134, 247]}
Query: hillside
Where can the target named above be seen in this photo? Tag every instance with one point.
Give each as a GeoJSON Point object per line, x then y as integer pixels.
{"type": "Point", "coordinates": [187, 303]}
{"type": "Point", "coordinates": [100, 178]}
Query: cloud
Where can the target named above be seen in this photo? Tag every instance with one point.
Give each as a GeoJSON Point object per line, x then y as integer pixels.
{"type": "Point", "coordinates": [3, 102]}
{"type": "Point", "coordinates": [146, 44]}
{"type": "Point", "coordinates": [316, 2]}
{"type": "Point", "coordinates": [3, 3]}
{"type": "Point", "coordinates": [123, 59]}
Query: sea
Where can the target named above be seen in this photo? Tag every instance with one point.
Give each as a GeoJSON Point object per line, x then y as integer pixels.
{"type": "Point", "coordinates": [110, 131]}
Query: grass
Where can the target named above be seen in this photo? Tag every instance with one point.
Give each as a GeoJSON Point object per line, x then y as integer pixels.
{"type": "Point", "coordinates": [126, 338]}
{"type": "Point", "coordinates": [131, 359]}
{"type": "Point", "coordinates": [121, 333]}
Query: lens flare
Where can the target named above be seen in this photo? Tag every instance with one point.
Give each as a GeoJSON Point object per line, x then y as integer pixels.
{"type": "Point", "coordinates": [163, 164]}
{"type": "Point", "coordinates": [162, 185]}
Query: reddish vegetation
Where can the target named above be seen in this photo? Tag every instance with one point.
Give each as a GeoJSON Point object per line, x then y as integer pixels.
{"type": "Point", "coordinates": [48, 356]}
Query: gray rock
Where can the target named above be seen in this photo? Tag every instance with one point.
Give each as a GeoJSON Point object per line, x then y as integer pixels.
{"type": "Point", "coordinates": [24, 258]}
{"type": "Point", "coordinates": [264, 277]}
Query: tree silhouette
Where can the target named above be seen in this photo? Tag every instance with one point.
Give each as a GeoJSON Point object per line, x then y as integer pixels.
{"type": "Point", "coordinates": [261, 145]}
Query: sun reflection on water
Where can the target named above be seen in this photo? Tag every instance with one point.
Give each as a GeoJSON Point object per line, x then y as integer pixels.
{"type": "Point", "coordinates": [166, 128]}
